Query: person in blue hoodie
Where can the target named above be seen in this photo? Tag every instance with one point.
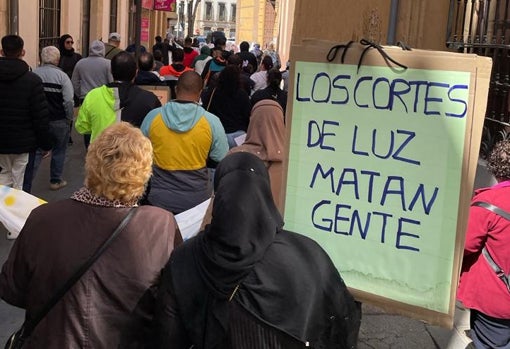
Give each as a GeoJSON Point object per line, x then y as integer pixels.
{"type": "Point", "coordinates": [184, 137]}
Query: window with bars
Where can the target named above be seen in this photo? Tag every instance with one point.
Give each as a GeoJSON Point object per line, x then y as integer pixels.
{"type": "Point", "coordinates": [483, 27]}
{"type": "Point", "coordinates": [181, 9]}
{"type": "Point", "coordinates": [49, 23]}
{"type": "Point", "coordinates": [113, 16]}
{"type": "Point", "coordinates": [221, 12]}
{"type": "Point", "coordinates": [208, 11]}
{"type": "Point", "coordinates": [233, 12]}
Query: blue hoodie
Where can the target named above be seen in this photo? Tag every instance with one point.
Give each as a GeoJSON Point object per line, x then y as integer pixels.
{"type": "Point", "coordinates": [184, 136]}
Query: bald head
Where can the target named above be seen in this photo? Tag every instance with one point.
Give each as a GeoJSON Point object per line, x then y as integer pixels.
{"type": "Point", "coordinates": [189, 86]}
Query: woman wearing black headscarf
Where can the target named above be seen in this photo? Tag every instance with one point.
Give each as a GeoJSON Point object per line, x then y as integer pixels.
{"type": "Point", "coordinates": [68, 58]}
{"type": "Point", "coordinates": [247, 283]}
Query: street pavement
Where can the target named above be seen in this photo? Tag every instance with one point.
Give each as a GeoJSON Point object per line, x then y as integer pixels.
{"type": "Point", "coordinates": [379, 329]}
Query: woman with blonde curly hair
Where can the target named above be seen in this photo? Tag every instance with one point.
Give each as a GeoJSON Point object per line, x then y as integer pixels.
{"type": "Point", "coordinates": [59, 237]}
{"type": "Point", "coordinates": [482, 289]}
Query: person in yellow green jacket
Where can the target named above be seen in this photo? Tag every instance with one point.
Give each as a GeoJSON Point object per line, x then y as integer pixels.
{"type": "Point", "coordinates": [120, 100]}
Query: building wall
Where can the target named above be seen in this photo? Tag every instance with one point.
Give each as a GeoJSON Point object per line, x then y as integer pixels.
{"type": "Point", "coordinates": [214, 23]}
{"type": "Point", "coordinates": [341, 22]}
{"type": "Point", "coordinates": [414, 23]}
{"type": "Point", "coordinates": [4, 15]}
{"type": "Point", "coordinates": [71, 26]}
{"type": "Point", "coordinates": [370, 19]}
{"type": "Point", "coordinates": [335, 20]}
{"type": "Point", "coordinates": [71, 16]}
{"type": "Point", "coordinates": [286, 22]}
{"type": "Point", "coordinates": [29, 31]}
{"type": "Point", "coordinates": [269, 25]}
{"type": "Point", "coordinates": [250, 21]}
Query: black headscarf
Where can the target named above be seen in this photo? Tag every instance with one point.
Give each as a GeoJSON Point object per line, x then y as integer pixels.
{"type": "Point", "coordinates": [68, 58]}
{"type": "Point", "coordinates": [284, 279]}
{"type": "Point", "coordinates": [62, 45]}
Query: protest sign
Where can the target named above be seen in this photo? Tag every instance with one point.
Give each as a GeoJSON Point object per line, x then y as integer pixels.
{"type": "Point", "coordinates": [190, 221]}
{"type": "Point", "coordinates": [381, 167]}
{"type": "Point", "coordinates": [162, 92]}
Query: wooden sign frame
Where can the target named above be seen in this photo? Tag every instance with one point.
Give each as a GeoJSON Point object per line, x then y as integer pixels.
{"type": "Point", "coordinates": [479, 69]}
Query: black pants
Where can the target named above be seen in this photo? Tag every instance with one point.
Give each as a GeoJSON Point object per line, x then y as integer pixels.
{"type": "Point", "coordinates": [488, 332]}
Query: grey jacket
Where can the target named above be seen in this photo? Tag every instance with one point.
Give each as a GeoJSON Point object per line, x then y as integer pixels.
{"type": "Point", "coordinates": [58, 90]}
{"type": "Point", "coordinates": [93, 71]}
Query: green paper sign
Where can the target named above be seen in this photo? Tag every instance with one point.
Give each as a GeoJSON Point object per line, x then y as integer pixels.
{"type": "Point", "coordinates": [374, 175]}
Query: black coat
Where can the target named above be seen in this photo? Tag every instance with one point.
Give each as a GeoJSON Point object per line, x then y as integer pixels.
{"type": "Point", "coordinates": [23, 109]}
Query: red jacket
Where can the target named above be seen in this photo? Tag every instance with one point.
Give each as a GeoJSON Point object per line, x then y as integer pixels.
{"type": "Point", "coordinates": [175, 69]}
{"type": "Point", "coordinates": [479, 286]}
{"type": "Point", "coordinates": [189, 56]}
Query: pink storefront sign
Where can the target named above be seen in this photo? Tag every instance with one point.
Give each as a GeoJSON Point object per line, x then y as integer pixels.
{"type": "Point", "coordinates": [148, 4]}
{"type": "Point", "coordinates": [144, 34]}
{"type": "Point", "coordinates": [164, 5]}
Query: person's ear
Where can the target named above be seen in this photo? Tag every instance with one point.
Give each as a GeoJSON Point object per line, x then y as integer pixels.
{"type": "Point", "coordinates": [2, 53]}
{"type": "Point", "coordinates": [22, 53]}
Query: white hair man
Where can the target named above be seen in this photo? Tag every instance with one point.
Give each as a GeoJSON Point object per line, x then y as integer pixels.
{"type": "Point", "coordinates": [59, 94]}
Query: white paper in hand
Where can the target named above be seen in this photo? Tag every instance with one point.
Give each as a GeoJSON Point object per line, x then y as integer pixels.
{"type": "Point", "coordinates": [189, 221]}
{"type": "Point", "coordinates": [240, 139]}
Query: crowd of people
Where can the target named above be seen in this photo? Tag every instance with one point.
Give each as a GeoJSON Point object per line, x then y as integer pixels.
{"type": "Point", "coordinates": [242, 282]}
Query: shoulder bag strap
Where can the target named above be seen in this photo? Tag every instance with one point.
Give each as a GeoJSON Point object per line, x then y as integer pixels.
{"type": "Point", "coordinates": [210, 99]}
{"type": "Point", "coordinates": [492, 208]}
{"type": "Point", "coordinates": [29, 325]}
{"type": "Point", "coordinates": [110, 50]}
{"type": "Point", "coordinates": [497, 269]}
{"type": "Point", "coordinates": [499, 272]}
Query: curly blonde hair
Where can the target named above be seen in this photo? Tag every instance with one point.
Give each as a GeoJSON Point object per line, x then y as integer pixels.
{"type": "Point", "coordinates": [499, 160]}
{"type": "Point", "coordinates": [119, 163]}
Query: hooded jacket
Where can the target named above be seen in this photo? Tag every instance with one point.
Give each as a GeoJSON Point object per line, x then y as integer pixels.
{"type": "Point", "coordinates": [23, 109]}
{"type": "Point", "coordinates": [189, 56]}
{"type": "Point", "coordinates": [68, 58]}
{"type": "Point", "coordinates": [184, 135]}
{"type": "Point", "coordinates": [92, 71]}
{"type": "Point", "coordinates": [201, 60]}
{"type": "Point", "coordinates": [114, 102]}
{"type": "Point", "coordinates": [148, 78]}
{"type": "Point", "coordinates": [212, 67]}
{"type": "Point", "coordinates": [479, 287]}
{"type": "Point", "coordinates": [174, 69]}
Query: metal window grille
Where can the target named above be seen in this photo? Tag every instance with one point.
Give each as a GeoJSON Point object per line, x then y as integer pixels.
{"type": "Point", "coordinates": [113, 16]}
{"type": "Point", "coordinates": [221, 12]}
{"type": "Point", "coordinates": [208, 11]}
{"type": "Point", "coordinates": [233, 13]}
{"type": "Point", "coordinates": [483, 27]}
{"type": "Point", "coordinates": [49, 23]}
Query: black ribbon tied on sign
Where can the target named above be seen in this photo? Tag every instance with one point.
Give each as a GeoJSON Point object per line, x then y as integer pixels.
{"type": "Point", "coordinates": [333, 52]}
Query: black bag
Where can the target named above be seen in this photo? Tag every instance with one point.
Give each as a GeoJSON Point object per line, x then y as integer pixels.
{"type": "Point", "coordinates": [18, 338]}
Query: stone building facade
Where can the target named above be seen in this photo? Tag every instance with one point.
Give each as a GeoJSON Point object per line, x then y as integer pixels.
{"type": "Point", "coordinates": [42, 22]}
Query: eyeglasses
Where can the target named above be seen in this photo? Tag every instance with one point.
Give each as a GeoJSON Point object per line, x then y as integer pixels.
{"type": "Point", "coordinates": [69, 42]}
